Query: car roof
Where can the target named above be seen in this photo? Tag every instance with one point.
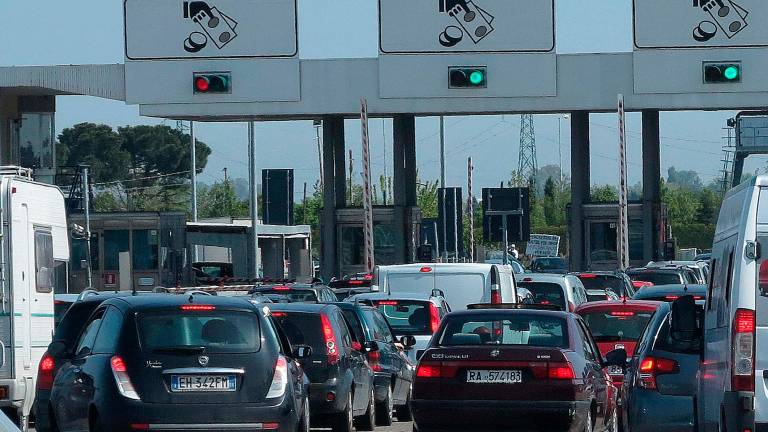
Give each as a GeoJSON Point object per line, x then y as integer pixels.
{"type": "Point", "coordinates": [139, 303]}
{"type": "Point", "coordinates": [599, 306]}
{"type": "Point", "coordinates": [481, 312]}
{"type": "Point", "coordinates": [411, 296]}
{"type": "Point", "coordinates": [351, 306]}
{"type": "Point", "coordinates": [655, 290]}
{"type": "Point", "coordinates": [667, 269]}
{"type": "Point", "coordinates": [598, 273]}
{"type": "Point", "coordinates": [437, 267]}
{"type": "Point", "coordinates": [540, 277]}
{"type": "Point", "coordinates": [300, 307]}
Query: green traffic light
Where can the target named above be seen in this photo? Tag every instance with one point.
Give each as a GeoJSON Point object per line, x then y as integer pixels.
{"type": "Point", "coordinates": [731, 73]}
{"type": "Point", "coordinates": [476, 77]}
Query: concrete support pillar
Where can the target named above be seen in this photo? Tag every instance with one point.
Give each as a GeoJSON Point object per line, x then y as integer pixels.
{"type": "Point", "coordinates": [404, 182]}
{"type": "Point", "coordinates": [334, 190]}
{"type": "Point", "coordinates": [273, 259]}
{"type": "Point", "coordinates": [580, 184]}
{"type": "Point", "coordinates": [651, 185]}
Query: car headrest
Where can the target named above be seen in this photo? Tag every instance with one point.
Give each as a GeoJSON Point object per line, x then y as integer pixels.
{"type": "Point", "coordinates": [466, 339]}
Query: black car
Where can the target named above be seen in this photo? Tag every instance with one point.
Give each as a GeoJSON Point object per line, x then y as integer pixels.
{"type": "Point", "coordinates": [182, 362]}
{"type": "Point", "coordinates": [393, 370]}
{"type": "Point", "coordinates": [668, 275]}
{"type": "Point", "coordinates": [663, 373]}
{"type": "Point", "coordinates": [514, 367]}
{"type": "Point", "coordinates": [296, 292]}
{"type": "Point", "coordinates": [358, 283]}
{"type": "Point", "coordinates": [618, 282]}
{"type": "Point", "coordinates": [670, 293]}
{"type": "Point", "coordinates": [341, 381]}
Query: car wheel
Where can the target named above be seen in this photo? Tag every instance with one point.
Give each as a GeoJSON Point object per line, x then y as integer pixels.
{"type": "Point", "coordinates": [384, 410]}
{"type": "Point", "coordinates": [404, 413]}
{"type": "Point", "coordinates": [304, 422]}
{"type": "Point", "coordinates": [588, 421]}
{"type": "Point", "coordinates": [342, 421]}
{"type": "Point", "coordinates": [367, 422]}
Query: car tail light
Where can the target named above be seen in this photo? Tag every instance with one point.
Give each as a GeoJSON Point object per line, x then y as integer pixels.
{"type": "Point", "coordinates": [387, 303]}
{"type": "Point", "coordinates": [374, 357]}
{"type": "Point", "coordinates": [651, 367]}
{"type": "Point", "coordinates": [672, 297]}
{"type": "Point", "coordinates": [425, 269]}
{"type": "Point", "coordinates": [281, 288]}
{"type": "Point", "coordinates": [436, 370]}
{"type": "Point", "coordinates": [279, 314]}
{"type": "Point", "coordinates": [355, 282]}
{"type": "Point", "coordinates": [124, 385]}
{"type": "Point", "coordinates": [561, 371]}
{"type": "Point", "coordinates": [197, 307]}
{"type": "Point", "coordinates": [743, 366]}
{"type": "Point", "coordinates": [331, 346]}
{"type": "Point", "coordinates": [622, 313]}
{"type": "Point", "coordinates": [279, 379]}
{"type": "Point", "coordinates": [495, 295]}
{"type": "Point", "coordinates": [45, 373]}
{"type": "Point", "coordinates": [368, 276]}
{"type": "Point", "coordinates": [434, 318]}
{"type": "Point", "coordinates": [587, 276]}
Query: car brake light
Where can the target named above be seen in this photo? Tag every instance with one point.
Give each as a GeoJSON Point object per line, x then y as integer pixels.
{"type": "Point", "coordinates": [587, 276]}
{"type": "Point", "coordinates": [527, 279]}
{"type": "Point", "coordinates": [622, 313]}
{"type": "Point", "coordinates": [434, 318]}
{"type": "Point", "coordinates": [651, 367]}
{"type": "Point", "coordinates": [425, 269]}
{"type": "Point", "coordinates": [495, 296]}
{"type": "Point", "coordinates": [743, 366]}
{"type": "Point", "coordinates": [120, 372]}
{"type": "Point", "coordinates": [436, 370]}
{"type": "Point", "coordinates": [331, 347]}
{"type": "Point", "coordinates": [374, 357]}
{"type": "Point", "coordinates": [355, 282]}
{"type": "Point", "coordinates": [45, 373]}
{"type": "Point", "coordinates": [544, 302]}
{"type": "Point", "coordinates": [561, 371]}
{"type": "Point", "coordinates": [281, 288]}
{"type": "Point", "coordinates": [387, 303]}
{"type": "Point", "coordinates": [368, 276]}
{"type": "Point", "coordinates": [279, 379]}
{"type": "Point", "coordinates": [672, 297]}
{"type": "Point", "coordinates": [197, 307]}
{"type": "Point", "coordinates": [279, 314]}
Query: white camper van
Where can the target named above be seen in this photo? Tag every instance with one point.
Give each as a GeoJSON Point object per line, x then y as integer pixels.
{"type": "Point", "coordinates": [733, 384]}
{"type": "Point", "coordinates": [33, 241]}
{"type": "Point", "coordinates": [461, 283]}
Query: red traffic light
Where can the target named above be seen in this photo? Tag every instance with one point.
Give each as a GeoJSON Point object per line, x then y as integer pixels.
{"type": "Point", "coordinates": [213, 82]}
{"type": "Point", "coordinates": [202, 84]}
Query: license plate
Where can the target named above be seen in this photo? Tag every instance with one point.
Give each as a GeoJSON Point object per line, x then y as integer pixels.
{"type": "Point", "coordinates": [615, 370]}
{"type": "Point", "coordinates": [203, 383]}
{"type": "Point", "coordinates": [494, 376]}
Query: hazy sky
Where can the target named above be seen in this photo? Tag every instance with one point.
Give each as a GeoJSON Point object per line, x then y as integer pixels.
{"type": "Point", "coordinates": [39, 32]}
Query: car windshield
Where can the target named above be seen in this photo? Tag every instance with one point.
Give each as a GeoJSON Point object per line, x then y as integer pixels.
{"type": "Point", "coordinates": [617, 325]}
{"type": "Point", "coordinates": [597, 282]}
{"type": "Point", "coordinates": [406, 317]}
{"type": "Point", "coordinates": [505, 329]}
{"type": "Point", "coordinates": [211, 331]}
{"type": "Point", "coordinates": [545, 293]}
{"type": "Point", "coordinates": [656, 278]}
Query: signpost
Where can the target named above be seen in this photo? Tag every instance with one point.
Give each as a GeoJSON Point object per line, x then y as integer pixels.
{"type": "Point", "coordinates": [367, 192]}
{"type": "Point", "coordinates": [623, 231]}
{"type": "Point", "coordinates": [543, 245]}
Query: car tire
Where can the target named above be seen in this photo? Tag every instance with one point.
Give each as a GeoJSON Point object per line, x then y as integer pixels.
{"type": "Point", "coordinates": [367, 422]}
{"type": "Point", "coordinates": [384, 410]}
{"type": "Point", "coordinates": [343, 421]}
{"type": "Point", "coordinates": [403, 412]}
{"type": "Point", "coordinates": [304, 425]}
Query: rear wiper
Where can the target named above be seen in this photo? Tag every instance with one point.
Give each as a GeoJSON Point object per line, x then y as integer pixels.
{"type": "Point", "coordinates": [182, 349]}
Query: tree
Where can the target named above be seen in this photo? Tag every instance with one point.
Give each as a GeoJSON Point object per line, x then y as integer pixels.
{"type": "Point", "coordinates": [604, 194]}
{"type": "Point", "coordinates": [220, 200]}
{"type": "Point", "coordinates": [98, 146]}
{"type": "Point", "coordinates": [709, 206]}
{"type": "Point", "coordinates": [426, 198]}
{"type": "Point", "coordinates": [687, 179]}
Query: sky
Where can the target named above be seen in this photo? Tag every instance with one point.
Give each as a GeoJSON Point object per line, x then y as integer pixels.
{"type": "Point", "coordinates": [44, 32]}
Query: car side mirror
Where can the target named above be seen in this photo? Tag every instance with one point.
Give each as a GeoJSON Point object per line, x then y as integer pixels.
{"type": "Point", "coordinates": [408, 341]}
{"type": "Point", "coordinates": [302, 351]}
{"type": "Point", "coordinates": [684, 323]}
{"type": "Point", "coordinates": [371, 346]}
{"type": "Point", "coordinates": [58, 349]}
{"type": "Point", "coordinates": [617, 357]}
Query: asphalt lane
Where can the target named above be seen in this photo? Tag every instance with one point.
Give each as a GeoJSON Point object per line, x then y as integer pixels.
{"type": "Point", "coordinates": [396, 427]}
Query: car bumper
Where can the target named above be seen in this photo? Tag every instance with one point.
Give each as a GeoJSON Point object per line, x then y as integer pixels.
{"type": "Point", "coordinates": [318, 398]}
{"type": "Point", "coordinates": [42, 410]}
{"type": "Point", "coordinates": [499, 415]}
{"type": "Point", "coordinates": [650, 411]}
{"type": "Point", "coordinates": [198, 417]}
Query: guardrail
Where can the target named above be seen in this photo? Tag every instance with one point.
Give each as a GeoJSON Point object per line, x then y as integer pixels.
{"type": "Point", "coordinates": [6, 425]}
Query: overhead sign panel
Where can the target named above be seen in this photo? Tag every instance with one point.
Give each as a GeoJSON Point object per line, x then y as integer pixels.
{"type": "Point", "coordinates": [447, 26]}
{"type": "Point", "coordinates": [700, 23]}
{"type": "Point", "coordinates": [177, 29]}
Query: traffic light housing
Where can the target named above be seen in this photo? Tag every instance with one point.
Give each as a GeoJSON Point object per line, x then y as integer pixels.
{"type": "Point", "coordinates": [212, 83]}
{"type": "Point", "coordinates": [722, 73]}
{"type": "Point", "coordinates": [467, 77]}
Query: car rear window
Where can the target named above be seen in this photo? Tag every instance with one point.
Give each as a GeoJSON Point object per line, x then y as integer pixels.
{"type": "Point", "coordinates": [302, 329]}
{"type": "Point", "coordinates": [617, 325]}
{"type": "Point", "coordinates": [597, 295]}
{"type": "Point", "coordinates": [505, 329]}
{"type": "Point", "coordinates": [215, 331]}
{"type": "Point", "coordinates": [294, 295]}
{"type": "Point", "coordinates": [656, 278]}
{"type": "Point", "coordinates": [545, 293]}
{"type": "Point", "coordinates": [406, 317]}
{"type": "Point", "coordinates": [602, 282]}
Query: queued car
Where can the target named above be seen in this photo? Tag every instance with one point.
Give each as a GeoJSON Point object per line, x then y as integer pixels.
{"type": "Point", "coordinates": [341, 380]}
{"type": "Point", "coordinates": [392, 369]}
{"type": "Point", "coordinates": [618, 282]}
{"type": "Point", "coordinates": [672, 292]}
{"type": "Point", "coordinates": [180, 363]}
{"type": "Point", "coordinates": [617, 325]}
{"type": "Point", "coordinates": [514, 367]}
{"type": "Point", "coordinates": [660, 388]}
{"type": "Point", "coordinates": [594, 295]}
{"type": "Point", "coordinates": [358, 283]}
{"type": "Point", "coordinates": [663, 275]}
{"type": "Point", "coordinates": [295, 292]}
{"type": "Point", "coordinates": [565, 291]}
{"type": "Point", "coordinates": [699, 268]}
{"type": "Point", "coordinates": [556, 265]}
{"type": "Point", "coordinates": [410, 315]}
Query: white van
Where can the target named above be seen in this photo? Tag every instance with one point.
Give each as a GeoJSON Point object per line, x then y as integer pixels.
{"type": "Point", "coordinates": [463, 284]}
{"type": "Point", "coordinates": [733, 384]}
{"type": "Point", "coordinates": [33, 242]}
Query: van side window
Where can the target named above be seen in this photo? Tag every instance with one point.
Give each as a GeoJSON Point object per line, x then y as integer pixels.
{"type": "Point", "coordinates": [714, 277]}
{"type": "Point", "coordinates": [44, 266]}
{"type": "Point", "coordinates": [724, 295]}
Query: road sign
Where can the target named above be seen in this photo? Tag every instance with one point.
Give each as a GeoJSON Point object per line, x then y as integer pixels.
{"type": "Point", "coordinates": [175, 29]}
{"type": "Point", "coordinates": [542, 245]}
{"type": "Point", "coordinates": [446, 26]}
{"type": "Point", "coordinates": [511, 200]}
{"type": "Point", "coordinates": [700, 23]}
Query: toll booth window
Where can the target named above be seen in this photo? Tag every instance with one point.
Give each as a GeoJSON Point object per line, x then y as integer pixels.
{"type": "Point", "coordinates": [635, 239]}
{"type": "Point", "coordinates": [80, 252]}
{"type": "Point", "coordinates": [44, 265]}
{"type": "Point", "coordinates": [115, 241]}
{"type": "Point", "coordinates": [145, 249]}
{"type": "Point", "coordinates": [352, 246]}
{"type": "Point", "coordinates": [602, 241]}
{"type": "Point", "coordinates": [384, 244]}
{"type": "Point", "coordinates": [35, 141]}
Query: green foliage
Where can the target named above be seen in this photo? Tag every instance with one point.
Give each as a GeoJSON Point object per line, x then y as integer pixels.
{"type": "Point", "coordinates": [604, 194]}
{"type": "Point", "coordinates": [220, 200]}
{"type": "Point", "coordinates": [426, 198]}
{"type": "Point", "coordinates": [99, 146]}
{"type": "Point", "coordinates": [696, 235]}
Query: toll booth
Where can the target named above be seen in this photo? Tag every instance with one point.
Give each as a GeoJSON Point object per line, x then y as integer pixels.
{"type": "Point", "coordinates": [31, 135]}
{"type": "Point", "coordinates": [386, 248]}
{"type": "Point", "coordinates": [600, 234]}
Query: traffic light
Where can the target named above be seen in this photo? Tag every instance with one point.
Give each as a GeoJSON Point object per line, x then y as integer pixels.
{"type": "Point", "coordinates": [212, 82]}
{"type": "Point", "coordinates": [468, 77]}
{"type": "Point", "coordinates": [722, 73]}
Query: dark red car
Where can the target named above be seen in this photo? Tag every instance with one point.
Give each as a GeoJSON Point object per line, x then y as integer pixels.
{"type": "Point", "coordinates": [513, 367]}
{"type": "Point", "coordinates": [617, 325]}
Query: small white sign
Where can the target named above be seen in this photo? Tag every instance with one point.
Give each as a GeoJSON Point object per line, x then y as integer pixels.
{"type": "Point", "coordinates": [700, 23]}
{"type": "Point", "coordinates": [445, 26]}
{"type": "Point", "coordinates": [543, 245]}
{"type": "Point", "coordinates": [178, 29]}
